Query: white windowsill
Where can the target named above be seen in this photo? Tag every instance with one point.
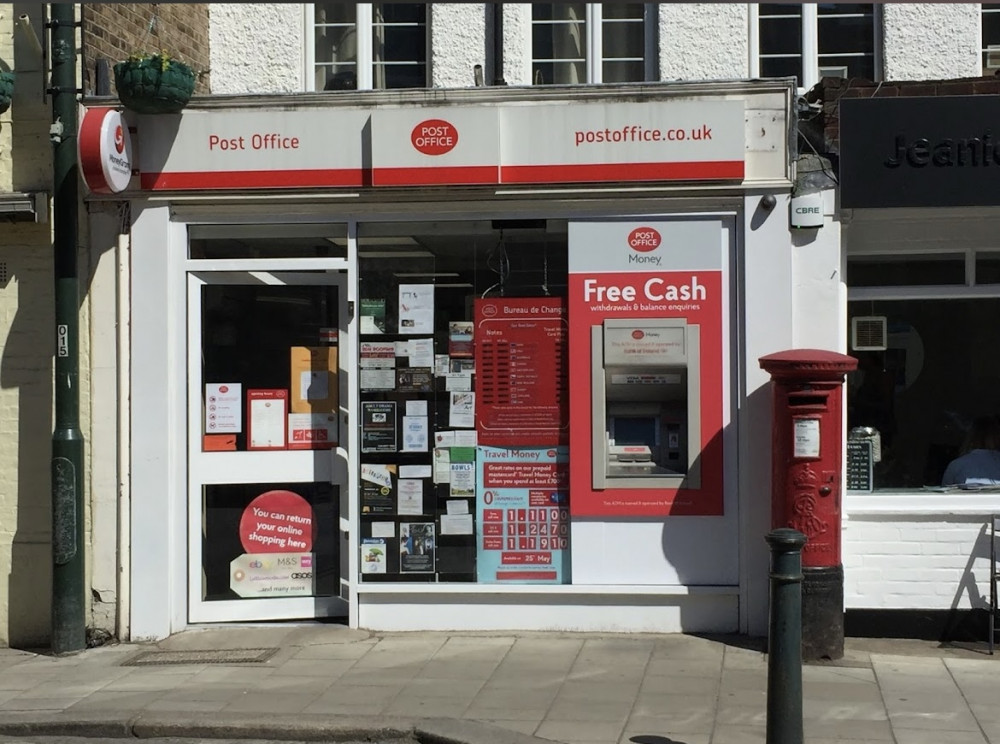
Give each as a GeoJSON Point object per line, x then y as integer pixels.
{"type": "Point", "coordinates": [548, 589]}
{"type": "Point", "coordinates": [921, 503]}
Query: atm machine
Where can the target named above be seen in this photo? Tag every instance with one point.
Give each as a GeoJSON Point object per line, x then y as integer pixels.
{"type": "Point", "coordinates": [646, 402]}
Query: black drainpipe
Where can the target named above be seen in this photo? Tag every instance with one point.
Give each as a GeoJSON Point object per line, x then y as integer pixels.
{"type": "Point", "coordinates": [498, 44]}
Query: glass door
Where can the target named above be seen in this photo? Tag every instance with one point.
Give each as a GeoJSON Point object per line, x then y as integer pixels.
{"type": "Point", "coordinates": [268, 505]}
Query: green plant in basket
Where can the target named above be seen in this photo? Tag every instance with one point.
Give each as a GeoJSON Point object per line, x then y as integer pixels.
{"type": "Point", "coordinates": [6, 90]}
{"type": "Point", "coordinates": [154, 83]}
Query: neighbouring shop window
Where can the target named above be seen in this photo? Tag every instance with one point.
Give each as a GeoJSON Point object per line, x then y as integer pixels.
{"type": "Point", "coordinates": [592, 42]}
{"type": "Point", "coordinates": [395, 58]}
{"type": "Point", "coordinates": [918, 270]}
{"type": "Point", "coordinates": [991, 38]}
{"type": "Point", "coordinates": [926, 369]}
{"type": "Point", "coordinates": [428, 375]}
{"type": "Point", "coordinates": [843, 35]}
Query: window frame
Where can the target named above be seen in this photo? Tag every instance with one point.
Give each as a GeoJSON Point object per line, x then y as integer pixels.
{"type": "Point", "coordinates": [988, 9]}
{"type": "Point", "coordinates": [365, 59]}
{"type": "Point", "coordinates": [810, 54]}
{"type": "Point", "coordinates": [594, 53]}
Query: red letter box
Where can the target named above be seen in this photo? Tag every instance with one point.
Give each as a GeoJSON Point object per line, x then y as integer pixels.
{"type": "Point", "coordinates": [807, 451]}
{"type": "Point", "coordinates": [806, 462]}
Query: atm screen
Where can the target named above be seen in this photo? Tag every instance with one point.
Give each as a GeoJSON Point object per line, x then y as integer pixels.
{"type": "Point", "coordinates": [632, 430]}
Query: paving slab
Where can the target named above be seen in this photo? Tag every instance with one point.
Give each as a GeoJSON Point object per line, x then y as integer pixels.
{"type": "Point", "coordinates": [505, 688]}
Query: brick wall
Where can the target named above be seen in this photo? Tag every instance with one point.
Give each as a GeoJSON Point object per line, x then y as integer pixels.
{"type": "Point", "coordinates": [113, 31]}
{"type": "Point", "coordinates": [929, 562]}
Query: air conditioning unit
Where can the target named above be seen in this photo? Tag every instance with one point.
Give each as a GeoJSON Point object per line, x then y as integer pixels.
{"type": "Point", "coordinates": [834, 71]}
{"type": "Point", "coordinates": [992, 64]}
{"type": "Point", "coordinates": [869, 333]}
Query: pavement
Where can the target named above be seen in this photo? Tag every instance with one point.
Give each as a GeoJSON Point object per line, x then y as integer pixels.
{"type": "Point", "coordinates": [322, 682]}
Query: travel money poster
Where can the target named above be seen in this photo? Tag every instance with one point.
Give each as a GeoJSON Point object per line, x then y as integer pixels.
{"type": "Point", "coordinates": [522, 515]}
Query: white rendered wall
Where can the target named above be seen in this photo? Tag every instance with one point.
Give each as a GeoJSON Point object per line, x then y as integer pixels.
{"type": "Point", "coordinates": [819, 291]}
{"type": "Point", "coordinates": [159, 576]}
{"type": "Point", "coordinates": [517, 43]}
{"type": "Point", "coordinates": [769, 305]}
{"type": "Point", "coordinates": [458, 43]}
{"type": "Point", "coordinates": [933, 557]}
{"type": "Point", "coordinates": [703, 41]}
{"type": "Point", "coordinates": [102, 446]}
{"type": "Point", "coordinates": [931, 41]}
{"type": "Point", "coordinates": [257, 47]}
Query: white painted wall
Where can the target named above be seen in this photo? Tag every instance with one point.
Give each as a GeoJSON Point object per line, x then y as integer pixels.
{"type": "Point", "coordinates": [262, 47]}
{"type": "Point", "coordinates": [932, 555]}
{"type": "Point", "coordinates": [458, 41]}
{"type": "Point", "coordinates": [769, 306]}
{"type": "Point", "coordinates": [703, 41]}
{"type": "Point", "coordinates": [931, 41]}
{"type": "Point", "coordinates": [257, 47]}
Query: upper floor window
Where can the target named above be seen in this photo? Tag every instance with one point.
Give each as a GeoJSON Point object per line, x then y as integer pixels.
{"type": "Point", "coordinates": [991, 38]}
{"type": "Point", "coordinates": [369, 45]}
{"type": "Point", "coordinates": [592, 42]}
{"type": "Point", "coordinates": [815, 40]}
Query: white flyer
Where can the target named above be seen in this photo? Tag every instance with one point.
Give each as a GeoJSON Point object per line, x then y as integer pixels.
{"type": "Point", "coordinates": [410, 497]}
{"type": "Point", "coordinates": [416, 308]}
{"type": "Point", "coordinates": [442, 465]}
{"type": "Point", "coordinates": [378, 379]}
{"type": "Point", "coordinates": [458, 506]}
{"type": "Point", "coordinates": [383, 529]}
{"type": "Point", "coordinates": [466, 438]}
{"type": "Point", "coordinates": [224, 408]}
{"type": "Point", "coordinates": [456, 524]}
{"type": "Point", "coordinates": [416, 408]}
{"type": "Point", "coordinates": [444, 439]}
{"type": "Point", "coordinates": [463, 479]}
{"type": "Point", "coordinates": [421, 352]}
{"type": "Point", "coordinates": [415, 471]}
{"type": "Point", "coordinates": [462, 412]}
{"type": "Point", "coordinates": [458, 381]}
{"type": "Point", "coordinates": [441, 362]}
{"type": "Point", "coordinates": [415, 433]}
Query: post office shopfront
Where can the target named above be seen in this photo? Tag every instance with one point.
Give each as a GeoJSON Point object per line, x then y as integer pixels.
{"type": "Point", "coordinates": [469, 360]}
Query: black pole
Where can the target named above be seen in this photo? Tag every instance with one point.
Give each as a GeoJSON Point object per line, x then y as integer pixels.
{"type": "Point", "coordinates": [498, 44]}
{"type": "Point", "coordinates": [784, 640]}
{"type": "Point", "coordinates": [69, 631]}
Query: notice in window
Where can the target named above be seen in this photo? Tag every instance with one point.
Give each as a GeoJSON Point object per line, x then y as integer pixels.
{"type": "Point", "coordinates": [520, 364]}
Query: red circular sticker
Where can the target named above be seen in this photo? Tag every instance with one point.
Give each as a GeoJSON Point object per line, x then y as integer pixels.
{"type": "Point", "coordinates": [637, 334]}
{"type": "Point", "coordinates": [277, 522]}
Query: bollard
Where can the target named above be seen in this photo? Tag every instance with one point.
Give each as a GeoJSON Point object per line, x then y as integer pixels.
{"type": "Point", "coordinates": [784, 638]}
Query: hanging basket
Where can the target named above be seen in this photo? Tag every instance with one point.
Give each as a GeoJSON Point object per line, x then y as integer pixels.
{"type": "Point", "coordinates": [154, 85]}
{"type": "Point", "coordinates": [6, 90]}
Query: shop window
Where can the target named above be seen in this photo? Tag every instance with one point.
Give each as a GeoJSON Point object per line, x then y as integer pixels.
{"type": "Point", "coordinates": [812, 41]}
{"type": "Point", "coordinates": [360, 46]}
{"type": "Point", "coordinates": [906, 270]}
{"type": "Point", "coordinates": [221, 242]}
{"type": "Point", "coordinates": [921, 382]}
{"type": "Point", "coordinates": [592, 42]}
{"type": "Point", "coordinates": [991, 38]}
{"type": "Point", "coordinates": [424, 496]}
